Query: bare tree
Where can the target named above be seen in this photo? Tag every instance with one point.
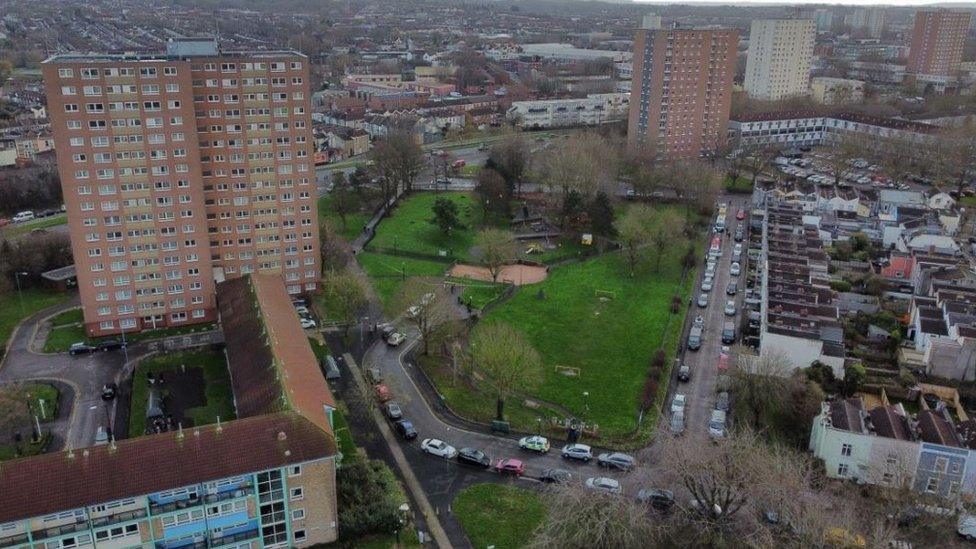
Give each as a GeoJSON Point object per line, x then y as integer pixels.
{"type": "Point", "coordinates": [511, 159]}
{"type": "Point", "coordinates": [580, 518]}
{"type": "Point", "coordinates": [426, 306]}
{"type": "Point", "coordinates": [506, 360]}
{"type": "Point", "coordinates": [346, 297]}
{"type": "Point", "coordinates": [495, 248]}
{"type": "Point", "coordinates": [635, 232]}
{"type": "Point", "coordinates": [335, 257]}
{"type": "Point", "coordinates": [397, 161]}
{"type": "Point", "coordinates": [668, 232]}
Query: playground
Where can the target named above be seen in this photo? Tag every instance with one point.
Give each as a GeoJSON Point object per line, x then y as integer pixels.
{"type": "Point", "coordinates": [519, 275]}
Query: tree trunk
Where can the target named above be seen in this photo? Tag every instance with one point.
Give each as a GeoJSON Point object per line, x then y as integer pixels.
{"type": "Point", "coordinates": [500, 409]}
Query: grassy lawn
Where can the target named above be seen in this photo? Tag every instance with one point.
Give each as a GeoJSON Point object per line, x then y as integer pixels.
{"type": "Point", "coordinates": [608, 343]}
{"type": "Point", "coordinates": [354, 221]}
{"type": "Point", "coordinates": [217, 390]}
{"type": "Point", "coordinates": [8, 451]}
{"type": "Point", "coordinates": [498, 515]}
{"type": "Point", "coordinates": [740, 185]}
{"type": "Point", "coordinates": [68, 318]}
{"type": "Point", "coordinates": [470, 170]}
{"type": "Point", "coordinates": [42, 223]}
{"type": "Point", "coordinates": [478, 293]}
{"type": "Point", "coordinates": [63, 335]}
{"type": "Point", "coordinates": [388, 272]}
{"type": "Point", "coordinates": [409, 228]}
{"type": "Point", "coordinates": [33, 301]}
{"type": "Point", "coordinates": [344, 436]}
{"type": "Point", "coordinates": [968, 201]}
{"type": "Point", "coordinates": [46, 392]}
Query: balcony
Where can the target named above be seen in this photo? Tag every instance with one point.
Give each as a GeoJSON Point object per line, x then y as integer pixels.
{"type": "Point", "coordinates": [11, 541]}
{"type": "Point", "coordinates": [242, 491]}
{"type": "Point", "coordinates": [158, 509]}
{"type": "Point", "coordinates": [45, 533]}
{"type": "Point", "coordinates": [119, 517]}
{"type": "Point", "coordinates": [219, 541]}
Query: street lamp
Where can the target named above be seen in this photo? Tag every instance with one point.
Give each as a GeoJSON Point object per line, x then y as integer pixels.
{"type": "Point", "coordinates": [20, 294]}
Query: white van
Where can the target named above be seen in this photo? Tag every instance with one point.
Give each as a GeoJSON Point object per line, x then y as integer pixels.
{"type": "Point", "coordinates": [23, 216]}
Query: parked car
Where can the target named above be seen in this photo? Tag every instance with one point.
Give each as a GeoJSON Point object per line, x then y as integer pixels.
{"type": "Point", "coordinates": [80, 349]}
{"type": "Point", "coordinates": [724, 401]}
{"type": "Point", "coordinates": [395, 339]}
{"type": "Point", "coordinates": [405, 429]}
{"type": "Point", "coordinates": [735, 269]}
{"type": "Point", "coordinates": [677, 424]}
{"type": "Point", "coordinates": [616, 460]}
{"type": "Point", "coordinates": [684, 372]}
{"type": "Point", "coordinates": [728, 333]}
{"type": "Point", "coordinates": [306, 323]}
{"type": "Point", "coordinates": [302, 310]}
{"type": "Point", "coordinates": [662, 500]}
{"type": "Point", "coordinates": [739, 235]}
{"type": "Point", "coordinates": [23, 216]}
{"type": "Point", "coordinates": [730, 308]}
{"type": "Point", "coordinates": [577, 451]}
{"type": "Point", "coordinates": [603, 484]}
{"type": "Point", "coordinates": [383, 393]}
{"type": "Point", "coordinates": [716, 424]}
{"type": "Point", "coordinates": [703, 300]}
{"type": "Point", "coordinates": [331, 368]}
{"type": "Point", "coordinates": [695, 338]}
{"type": "Point", "coordinates": [439, 448]}
{"type": "Point", "coordinates": [110, 345]}
{"type": "Point", "coordinates": [109, 391]}
{"type": "Point", "coordinates": [510, 466]}
{"type": "Point", "coordinates": [706, 285]}
{"type": "Point", "coordinates": [471, 456]}
{"type": "Point", "coordinates": [534, 443]}
{"type": "Point", "coordinates": [966, 526]}
{"type": "Point", "coordinates": [740, 215]}
{"type": "Point", "coordinates": [678, 403]}
{"type": "Point", "coordinates": [393, 410]}
{"type": "Point", "coordinates": [374, 375]}
{"type": "Point", "coordinates": [555, 476]}
{"type": "Point", "coordinates": [386, 331]}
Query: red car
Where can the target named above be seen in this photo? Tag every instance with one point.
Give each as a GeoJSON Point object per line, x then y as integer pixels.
{"type": "Point", "coordinates": [510, 466]}
{"type": "Point", "coordinates": [740, 215]}
{"type": "Point", "coordinates": [383, 393]}
{"type": "Point", "coordinates": [723, 362]}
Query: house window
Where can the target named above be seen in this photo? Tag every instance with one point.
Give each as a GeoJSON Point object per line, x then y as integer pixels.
{"type": "Point", "coordinates": [842, 470]}
{"type": "Point", "coordinates": [297, 494]}
{"type": "Point", "coordinates": [932, 486]}
{"type": "Point", "coordinates": [941, 464]}
{"type": "Point", "coordinates": [299, 535]}
{"type": "Point", "coordinates": [887, 478]}
{"type": "Point", "coordinates": [845, 450]}
{"type": "Point", "coordinates": [298, 514]}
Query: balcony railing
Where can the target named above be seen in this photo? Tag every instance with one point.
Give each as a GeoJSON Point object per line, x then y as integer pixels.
{"type": "Point", "coordinates": [242, 491]}
{"type": "Point", "coordinates": [16, 539]}
{"type": "Point", "coordinates": [119, 517]}
{"type": "Point", "coordinates": [219, 541]}
{"type": "Point", "coordinates": [157, 509]}
{"type": "Point", "coordinates": [45, 533]}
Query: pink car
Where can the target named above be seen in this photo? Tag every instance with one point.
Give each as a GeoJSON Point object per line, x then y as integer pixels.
{"type": "Point", "coordinates": [510, 466]}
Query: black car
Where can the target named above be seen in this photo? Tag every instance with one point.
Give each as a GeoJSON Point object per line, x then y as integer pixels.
{"type": "Point", "coordinates": [80, 349]}
{"type": "Point", "coordinates": [471, 456]}
{"type": "Point", "coordinates": [662, 500]}
{"type": "Point", "coordinates": [739, 236]}
{"type": "Point", "coordinates": [110, 345]}
{"type": "Point", "coordinates": [555, 476]}
{"type": "Point", "coordinates": [405, 429]}
{"type": "Point", "coordinates": [732, 288]}
{"type": "Point", "coordinates": [109, 390]}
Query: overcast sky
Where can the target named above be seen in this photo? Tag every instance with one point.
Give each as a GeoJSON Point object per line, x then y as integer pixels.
{"type": "Point", "coordinates": [845, 2]}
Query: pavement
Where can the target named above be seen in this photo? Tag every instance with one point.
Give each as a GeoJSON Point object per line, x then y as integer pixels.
{"type": "Point", "coordinates": [701, 389]}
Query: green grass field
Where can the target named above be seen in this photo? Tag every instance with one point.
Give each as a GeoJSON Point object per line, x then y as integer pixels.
{"type": "Point", "coordinates": [478, 293]}
{"type": "Point", "coordinates": [499, 515]}
{"type": "Point", "coordinates": [217, 389]}
{"type": "Point", "coordinates": [387, 272]}
{"type": "Point", "coordinates": [409, 228]}
{"type": "Point", "coordinates": [68, 318]}
{"type": "Point", "coordinates": [68, 328]}
{"type": "Point", "coordinates": [33, 301]}
{"type": "Point", "coordinates": [354, 221]}
{"type": "Point", "coordinates": [742, 184]}
{"type": "Point", "coordinates": [41, 223]}
{"type": "Point", "coordinates": [608, 343]}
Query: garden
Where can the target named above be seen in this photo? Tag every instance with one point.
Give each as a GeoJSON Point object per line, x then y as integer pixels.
{"type": "Point", "coordinates": [499, 515]}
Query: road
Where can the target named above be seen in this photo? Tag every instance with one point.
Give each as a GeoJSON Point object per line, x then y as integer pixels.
{"type": "Point", "coordinates": [701, 389]}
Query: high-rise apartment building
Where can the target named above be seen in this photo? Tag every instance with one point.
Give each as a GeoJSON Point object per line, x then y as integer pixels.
{"type": "Point", "coordinates": [682, 89]}
{"type": "Point", "coordinates": [780, 53]}
{"type": "Point", "coordinates": [180, 170]}
{"type": "Point", "coordinates": [867, 21]}
{"type": "Point", "coordinates": [937, 42]}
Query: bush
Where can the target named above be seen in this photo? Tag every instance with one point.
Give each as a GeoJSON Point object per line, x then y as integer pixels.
{"type": "Point", "coordinates": [659, 358]}
{"type": "Point", "coordinates": [676, 304]}
{"type": "Point", "coordinates": [649, 394]}
{"type": "Point", "coordinates": [368, 499]}
{"type": "Point", "coordinates": [840, 285]}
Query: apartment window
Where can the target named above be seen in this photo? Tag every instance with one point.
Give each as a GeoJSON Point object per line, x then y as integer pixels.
{"type": "Point", "coordinates": [295, 471]}
{"type": "Point", "coordinates": [845, 450]}
{"type": "Point", "coordinates": [297, 494]}
{"type": "Point", "coordinates": [842, 470]}
{"type": "Point", "coordinates": [299, 535]}
{"type": "Point", "coordinates": [298, 514]}
{"type": "Point", "coordinates": [169, 71]}
{"type": "Point", "coordinates": [66, 73]}
{"type": "Point", "coordinates": [932, 486]}
{"type": "Point", "coordinates": [941, 464]}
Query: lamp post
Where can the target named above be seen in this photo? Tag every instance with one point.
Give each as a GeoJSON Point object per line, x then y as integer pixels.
{"type": "Point", "coordinates": [20, 294]}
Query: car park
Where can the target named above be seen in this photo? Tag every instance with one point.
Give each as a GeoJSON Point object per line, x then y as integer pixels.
{"type": "Point", "coordinates": [603, 484]}
{"type": "Point", "coordinates": [662, 500]}
{"type": "Point", "coordinates": [739, 235]}
{"type": "Point", "coordinates": [555, 476]}
{"type": "Point", "coordinates": [510, 466]}
{"type": "Point", "coordinates": [616, 460]}
{"type": "Point", "coordinates": [732, 288]}
{"type": "Point", "coordinates": [374, 375]}
{"type": "Point", "coordinates": [471, 456]}
{"type": "Point", "coordinates": [580, 452]}
{"type": "Point", "coordinates": [534, 443]}
{"type": "Point", "coordinates": [735, 268]}
{"type": "Point", "coordinates": [703, 300]}
{"type": "Point", "coordinates": [695, 338]}
{"type": "Point", "coordinates": [710, 269]}
{"type": "Point", "coordinates": [439, 448]}
{"type": "Point", "coordinates": [80, 349]}
{"type": "Point", "coordinates": [728, 333]}
{"type": "Point", "coordinates": [383, 393]}
{"type": "Point", "coordinates": [678, 403]}
{"type": "Point", "coordinates": [729, 308]}
{"type": "Point", "coordinates": [393, 410]}
{"type": "Point", "coordinates": [302, 310]}
{"type": "Point", "coordinates": [330, 367]}
{"type": "Point", "coordinates": [405, 429]}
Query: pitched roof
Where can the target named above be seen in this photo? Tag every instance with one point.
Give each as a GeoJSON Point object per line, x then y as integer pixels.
{"type": "Point", "coordinates": [936, 429]}
{"type": "Point", "coordinates": [846, 414]}
{"type": "Point", "coordinates": [65, 480]}
{"type": "Point", "coordinates": [889, 423]}
{"type": "Point", "coordinates": [271, 364]}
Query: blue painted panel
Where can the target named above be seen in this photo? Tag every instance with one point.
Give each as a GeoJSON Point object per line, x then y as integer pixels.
{"type": "Point", "coordinates": [227, 520]}
{"type": "Point", "coordinates": [185, 529]}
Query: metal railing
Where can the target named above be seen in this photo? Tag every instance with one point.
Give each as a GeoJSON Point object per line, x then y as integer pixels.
{"type": "Point", "coordinates": [119, 517]}
{"type": "Point", "coordinates": [157, 509]}
{"type": "Point", "coordinates": [244, 490]}
{"type": "Point", "coordinates": [44, 533]}
{"type": "Point", "coordinates": [11, 541]}
{"type": "Point", "coordinates": [219, 541]}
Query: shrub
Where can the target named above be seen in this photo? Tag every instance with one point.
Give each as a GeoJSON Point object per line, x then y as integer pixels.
{"type": "Point", "coordinates": [840, 285]}
{"type": "Point", "coordinates": [649, 394]}
{"type": "Point", "coordinates": [676, 304]}
{"type": "Point", "coordinates": [368, 499]}
{"type": "Point", "coordinates": [659, 358]}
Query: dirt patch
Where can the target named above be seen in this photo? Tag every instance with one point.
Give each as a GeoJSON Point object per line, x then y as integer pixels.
{"type": "Point", "coordinates": [519, 275]}
{"type": "Point", "coordinates": [182, 391]}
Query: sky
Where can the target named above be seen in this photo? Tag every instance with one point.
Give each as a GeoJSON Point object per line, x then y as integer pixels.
{"type": "Point", "coordinates": [971, 5]}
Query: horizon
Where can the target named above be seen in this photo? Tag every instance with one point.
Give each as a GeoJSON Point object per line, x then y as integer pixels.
{"type": "Point", "coordinates": [844, 3]}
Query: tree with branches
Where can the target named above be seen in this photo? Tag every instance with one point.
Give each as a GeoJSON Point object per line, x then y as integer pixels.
{"type": "Point", "coordinates": [506, 360]}
{"type": "Point", "coordinates": [425, 306]}
{"type": "Point", "coordinates": [495, 248]}
{"type": "Point", "coordinates": [396, 162]}
{"type": "Point", "coordinates": [346, 297]}
{"type": "Point", "coordinates": [635, 232]}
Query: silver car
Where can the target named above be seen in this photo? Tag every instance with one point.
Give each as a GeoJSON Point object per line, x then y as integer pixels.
{"type": "Point", "coordinates": [703, 300]}
{"type": "Point", "coordinates": [603, 484]}
{"type": "Point", "coordinates": [579, 452]}
{"type": "Point", "coordinates": [616, 460]}
{"type": "Point", "coordinates": [706, 285]}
